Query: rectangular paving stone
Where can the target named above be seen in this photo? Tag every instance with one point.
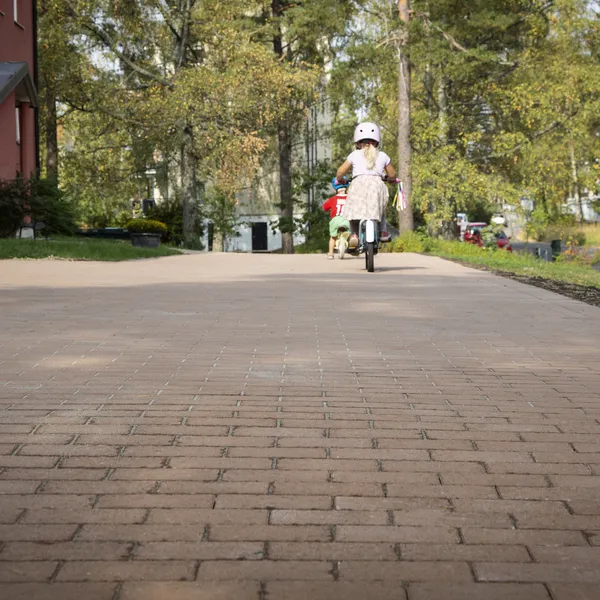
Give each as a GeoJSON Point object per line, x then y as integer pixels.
{"type": "Point", "coordinates": [538, 572]}
{"type": "Point", "coordinates": [164, 551]}
{"type": "Point", "coordinates": [539, 537]}
{"type": "Point", "coordinates": [464, 552]}
{"type": "Point", "coordinates": [291, 533]}
{"type": "Point", "coordinates": [205, 590]}
{"type": "Point", "coordinates": [388, 533]}
{"type": "Point", "coordinates": [328, 517]}
{"type": "Point", "coordinates": [38, 533]}
{"type": "Point", "coordinates": [479, 591]}
{"type": "Point", "coordinates": [101, 515]}
{"type": "Point", "coordinates": [33, 551]}
{"type": "Point", "coordinates": [331, 551]}
{"type": "Point", "coordinates": [450, 573]}
{"type": "Point", "coordinates": [190, 516]}
{"type": "Point", "coordinates": [52, 591]}
{"type": "Point", "coordinates": [300, 590]}
{"type": "Point", "coordinates": [574, 591]}
{"type": "Point", "coordinates": [136, 570]}
{"type": "Point", "coordinates": [14, 572]}
{"type": "Point", "coordinates": [265, 570]}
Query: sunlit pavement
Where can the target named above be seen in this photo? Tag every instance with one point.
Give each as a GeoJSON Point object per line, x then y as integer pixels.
{"type": "Point", "coordinates": [265, 427]}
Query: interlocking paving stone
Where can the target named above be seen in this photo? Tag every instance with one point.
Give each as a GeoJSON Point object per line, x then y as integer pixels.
{"type": "Point", "coordinates": [232, 427]}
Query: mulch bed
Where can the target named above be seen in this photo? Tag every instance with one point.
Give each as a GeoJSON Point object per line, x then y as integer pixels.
{"type": "Point", "coordinates": [589, 295]}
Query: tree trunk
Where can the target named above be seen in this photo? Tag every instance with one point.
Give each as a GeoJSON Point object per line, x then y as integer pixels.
{"type": "Point", "coordinates": [218, 242]}
{"type": "Point", "coordinates": [286, 200]}
{"type": "Point", "coordinates": [51, 135]}
{"type": "Point", "coordinates": [285, 187]}
{"type": "Point", "coordinates": [575, 183]}
{"type": "Point", "coordinates": [405, 217]}
{"type": "Point", "coordinates": [188, 186]}
{"type": "Point", "coordinates": [448, 227]}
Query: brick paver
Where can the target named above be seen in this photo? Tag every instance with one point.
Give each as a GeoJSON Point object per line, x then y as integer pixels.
{"type": "Point", "coordinates": [232, 427]}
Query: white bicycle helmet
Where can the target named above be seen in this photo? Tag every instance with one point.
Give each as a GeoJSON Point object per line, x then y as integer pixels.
{"type": "Point", "coordinates": [367, 131]}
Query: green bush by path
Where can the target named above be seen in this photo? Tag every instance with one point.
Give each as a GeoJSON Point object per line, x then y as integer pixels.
{"type": "Point", "coordinates": [498, 260]}
{"type": "Point", "coordinates": [146, 226]}
{"type": "Point", "coordinates": [79, 249]}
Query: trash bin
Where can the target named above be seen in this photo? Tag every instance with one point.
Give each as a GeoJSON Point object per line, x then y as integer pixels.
{"type": "Point", "coordinates": [556, 246]}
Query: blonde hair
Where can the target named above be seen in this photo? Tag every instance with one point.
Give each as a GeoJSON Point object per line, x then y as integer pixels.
{"type": "Point", "coordinates": [370, 152]}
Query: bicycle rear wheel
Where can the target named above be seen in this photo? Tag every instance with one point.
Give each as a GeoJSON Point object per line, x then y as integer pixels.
{"type": "Point", "coordinates": [370, 256]}
{"type": "Point", "coordinates": [343, 244]}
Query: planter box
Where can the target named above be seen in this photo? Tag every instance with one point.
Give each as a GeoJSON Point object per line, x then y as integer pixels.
{"type": "Point", "coordinates": [145, 240]}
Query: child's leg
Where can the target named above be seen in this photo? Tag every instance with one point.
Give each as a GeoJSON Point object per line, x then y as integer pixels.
{"type": "Point", "coordinates": [383, 223]}
{"type": "Point", "coordinates": [331, 245]}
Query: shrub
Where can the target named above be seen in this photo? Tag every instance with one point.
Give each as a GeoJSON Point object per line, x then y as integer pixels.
{"type": "Point", "coordinates": [146, 226]}
{"type": "Point", "coordinates": [51, 211]}
{"type": "Point", "coordinates": [13, 195]}
{"type": "Point", "coordinates": [38, 203]}
{"type": "Point", "coordinates": [170, 212]}
{"type": "Point", "coordinates": [410, 241]}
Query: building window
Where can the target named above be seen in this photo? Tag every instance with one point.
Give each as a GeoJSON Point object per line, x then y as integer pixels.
{"type": "Point", "coordinates": [18, 123]}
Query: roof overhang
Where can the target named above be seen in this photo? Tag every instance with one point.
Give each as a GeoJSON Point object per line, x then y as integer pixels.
{"type": "Point", "coordinates": [15, 76]}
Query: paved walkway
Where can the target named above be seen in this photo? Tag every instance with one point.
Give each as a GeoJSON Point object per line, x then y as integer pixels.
{"type": "Point", "coordinates": [234, 427]}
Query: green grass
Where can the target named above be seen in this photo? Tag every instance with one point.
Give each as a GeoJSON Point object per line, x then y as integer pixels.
{"type": "Point", "coordinates": [499, 260]}
{"type": "Point", "coordinates": [79, 249]}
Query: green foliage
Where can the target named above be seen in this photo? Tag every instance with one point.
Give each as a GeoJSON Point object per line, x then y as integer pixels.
{"type": "Point", "coordinates": [316, 228]}
{"type": "Point", "coordinates": [52, 211]}
{"type": "Point", "coordinates": [315, 185]}
{"type": "Point", "coordinates": [170, 212]}
{"type": "Point", "coordinates": [37, 203]}
{"type": "Point", "coordinates": [13, 195]}
{"type": "Point", "coordinates": [77, 249]}
{"type": "Point", "coordinates": [411, 241]}
{"type": "Point", "coordinates": [146, 226]}
{"type": "Point", "coordinates": [588, 235]}
{"type": "Point", "coordinates": [537, 223]}
{"type": "Point", "coordinates": [141, 96]}
{"type": "Point", "coordinates": [220, 209]}
{"type": "Point", "coordinates": [505, 100]}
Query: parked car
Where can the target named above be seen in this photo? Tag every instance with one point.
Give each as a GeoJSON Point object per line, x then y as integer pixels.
{"type": "Point", "coordinates": [503, 241]}
{"type": "Point", "coordinates": [474, 235]}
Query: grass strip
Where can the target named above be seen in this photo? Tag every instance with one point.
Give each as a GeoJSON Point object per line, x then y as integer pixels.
{"type": "Point", "coordinates": [499, 260]}
{"type": "Point", "coordinates": [79, 249]}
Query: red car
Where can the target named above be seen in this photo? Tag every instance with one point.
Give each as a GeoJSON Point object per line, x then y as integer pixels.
{"type": "Point", "coordinates": [473, 236]}
{"type": "Point", "coordinates": [503, 241]}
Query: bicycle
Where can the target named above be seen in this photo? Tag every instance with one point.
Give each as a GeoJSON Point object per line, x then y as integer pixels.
{"type": "Point", "coordinates": [341, 241]}
{"type": "Point", "coordinates": [368, 238]}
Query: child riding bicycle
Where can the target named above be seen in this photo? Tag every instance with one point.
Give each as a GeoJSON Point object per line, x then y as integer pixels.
{"type": "Point", "coordinates": [368, 194]}
{"type": "Point", "coordinates": [338, 225]}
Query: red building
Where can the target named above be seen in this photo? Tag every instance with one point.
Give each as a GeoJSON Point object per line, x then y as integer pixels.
{"type": "Point", "coordinates": [18, 98]}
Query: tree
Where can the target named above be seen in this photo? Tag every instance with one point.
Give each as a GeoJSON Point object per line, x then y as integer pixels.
{"type": "Point", "coordinates": [404, 116]}
{"type": "Point", "coordinates": [302, 33]}
{"type": "Point", "coordinates": [495, 85]}
{"type": "Point", "coordinates": [183, 81]}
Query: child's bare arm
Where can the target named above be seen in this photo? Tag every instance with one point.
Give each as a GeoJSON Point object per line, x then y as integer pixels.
{"type": "Point", "coordinates": [343, 170]}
